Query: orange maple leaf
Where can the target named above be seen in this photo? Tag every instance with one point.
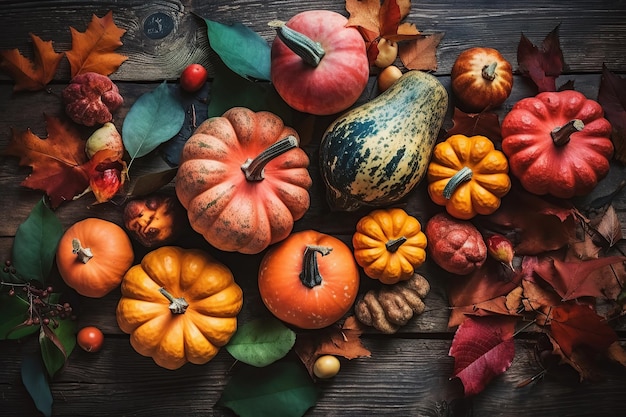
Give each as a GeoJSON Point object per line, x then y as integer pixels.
{"type": "Point", "coordinates": [93, 50]}
{"type": "Point", "coordinates": [31, 75]}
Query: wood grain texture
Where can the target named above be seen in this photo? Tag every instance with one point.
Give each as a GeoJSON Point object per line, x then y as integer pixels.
{"type": "Point", "coordinates": [591, 32]}
{"type": "Point", "coordinates": [408, 373]}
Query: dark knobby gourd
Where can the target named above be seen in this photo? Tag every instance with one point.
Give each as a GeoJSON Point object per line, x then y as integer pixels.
{"type": "Point", "coordinates": [375, 154]}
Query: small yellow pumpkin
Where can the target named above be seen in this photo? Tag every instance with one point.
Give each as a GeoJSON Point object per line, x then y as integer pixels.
{"type": "Point", "coordinates": [468, 176]}
{"type": "Point", "coordinates": [179, 305]}
{"type": "Point", "coordinates": [389, 244]}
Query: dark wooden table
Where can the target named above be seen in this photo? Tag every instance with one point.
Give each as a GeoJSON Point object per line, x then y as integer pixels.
{"type": "Point", "coordinates": [408, 373]}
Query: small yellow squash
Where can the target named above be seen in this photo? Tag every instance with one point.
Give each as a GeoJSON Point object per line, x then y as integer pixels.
{"type": "Point", "coordinates": [468, 176]}
{"type": "Point", "coordinates": [389, 244]}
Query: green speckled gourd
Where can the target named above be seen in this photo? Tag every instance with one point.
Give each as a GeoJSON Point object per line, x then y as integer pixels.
{"type": "Point", "coordinates": [375, 154]}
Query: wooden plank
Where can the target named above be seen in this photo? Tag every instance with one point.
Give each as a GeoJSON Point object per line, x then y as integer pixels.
{"type": "Point", "coordinates": [402, 377]}
{"type": "Point", "coordinates": [591, 32]}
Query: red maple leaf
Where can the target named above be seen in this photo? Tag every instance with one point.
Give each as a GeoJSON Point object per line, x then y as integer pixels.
{"type": "Point", "coordinates": [481, 293]}
{"type": "Point", "coordinates": [483, 348]}
{"type": "Point", "coordinates": [31, 75]}
{"type": "Point", "coordinates": [575, 325]}
{"type": "Point", "coordinates": [575, 279]}
{"type": "Point", "coordinates": [542, 64]}
{"type": "Point", "coordinates": [612, 98]}
{"type": "Point", "coordinates": [60, 166]}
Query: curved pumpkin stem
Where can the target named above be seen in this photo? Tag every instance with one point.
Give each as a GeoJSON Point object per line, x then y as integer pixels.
{"type": "Point", "coordinates": [178, 305]}
{"type": "Point", "coordinates": [253, 168]}
{"type": "Point", "coordinates": [489, 71]}
{"type": "Point", "coordinates": [394, 244]}
{"type": "Point", "coordinates": [462, 175]}
{"type": "Point", "coordinates": [561, 135]}
{"type": "Point", "coordinates": [310, 274]}
{"type": "Point", "coordinates": [306, 48]}
{"type": "Point", "coordinates": [83, 254]}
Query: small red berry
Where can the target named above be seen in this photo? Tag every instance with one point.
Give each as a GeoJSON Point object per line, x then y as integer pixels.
{"type": "Point", "coordinates": [90, 338]}
{"type": "Point", "coordinates": [193, 77]}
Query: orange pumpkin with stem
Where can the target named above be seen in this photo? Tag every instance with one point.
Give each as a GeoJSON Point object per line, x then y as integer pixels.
{"type": "Point", "coordinates": [309, 280]}
{"type": "Point", "coordinates": [93, 255]}
{"type": "Point", "coordinates": [243, 180]}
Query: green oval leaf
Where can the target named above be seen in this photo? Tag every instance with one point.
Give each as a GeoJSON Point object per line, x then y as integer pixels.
{"type": "Point", "coordinates": [152, 120]}
{"type": "Point", "coordinates": [36, 382]}
{"type": "Point", "coordinates": [287, 391]}
{"type": "Point", "coordinates": [261, 342]}
{"type": "Point", "coordinates": [13, 310]}
{"type": "Point", "coordinates": [242, 50]}
{"type": "Point", "coordinates": [35, 243]}
{"type": "Point", "coordinates": [57, 344]}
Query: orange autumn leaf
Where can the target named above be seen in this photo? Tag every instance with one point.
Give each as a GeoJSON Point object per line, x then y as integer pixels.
{"type": "Point", "coordinates": [378, 21]}
{"type": "Point", "coordinates": [31, 75]}
{"type": "Point", "coordinates": [93, 50]}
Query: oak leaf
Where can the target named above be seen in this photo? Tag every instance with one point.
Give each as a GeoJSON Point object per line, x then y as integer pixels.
{"type": "Point", "coordinates": [93, 50]}
{"type": "Point", "coordinates": [31, 75]}
{"type": "Point", "coordinates": [483, 348]}
{"type": "Point", "coordinates": [612, 98]}
{"type": "Point", "coordinates": [541, 64]}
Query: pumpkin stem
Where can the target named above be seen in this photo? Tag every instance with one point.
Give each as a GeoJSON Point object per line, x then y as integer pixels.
{"type": "Point", "coordinates": [306, 48]}
{"type": "Point", "coordinates": [462, 175]}
{"type": "Point", "coordinates": [178, 305]}
{"type": "Point", "coordinates": [489, 71]}
{"type": "Point", "coordinates": [83, 254]}
{"type": "Point", "coordinates": [393, 245]}
{"type": "Point", "coordinates": [253, 168]}
{"type": "Point", "coordinates": [310, 275]}
{"type": "Point", "coordinates": [561, 135]}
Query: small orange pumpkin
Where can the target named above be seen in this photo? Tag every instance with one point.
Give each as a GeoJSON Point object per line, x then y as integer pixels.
{"type": "Point", "coordinates": [93, 255]}
{"type": "Point", "coordinates": [481, 79]}
{"type": "Point", "coordinates": [179, 305]}
{"type": "Point", "coordinates": [389, 244]}
{"type": "Point", "coordinates": [309, 280]}
{"type": "Point", "coordinates": [468, 176]}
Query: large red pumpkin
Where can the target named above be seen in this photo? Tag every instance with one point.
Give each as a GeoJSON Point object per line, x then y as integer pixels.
{"type": "Point", "coordinates": [557, 143]}
{"type": "Point", "coordinates": [327, 69]}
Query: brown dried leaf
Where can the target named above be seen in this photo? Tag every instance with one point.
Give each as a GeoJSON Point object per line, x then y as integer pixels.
{"type": "Point", "coordinates": [421, 53]}
{"type": "Point", "coordinates": [471, 124]}
{"type": "Point", "coordinates": [612, 98]}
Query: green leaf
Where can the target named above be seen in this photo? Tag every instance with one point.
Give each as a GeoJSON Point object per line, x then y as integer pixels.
{"type": "Point", "coordinates": [231, 90]}
{"type": "Point", "coordinates": [283, 389]}
{"type": "Point", "coordinates": [35, 244]}
{"type": "Point", "coordinates": [57, 344]}
{"type": "Point", "coordinates": [36, 382]}
{"type": "Point", "coordinates": [244, 51]}
{"type": "Point", "coordinates": [13, 314]}
{"type": "Point", "coordinates": [152, 120]}
{"type": "Point", "coordinates": [261, 342]}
